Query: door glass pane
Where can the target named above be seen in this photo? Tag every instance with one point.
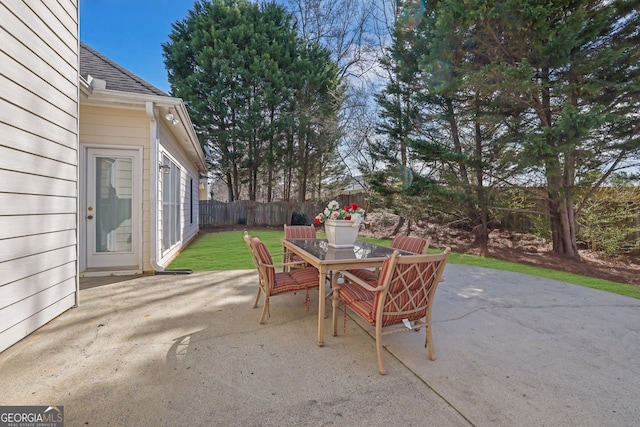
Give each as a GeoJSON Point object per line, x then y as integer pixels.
{"type": "Point", "coordinates": [114, 188]}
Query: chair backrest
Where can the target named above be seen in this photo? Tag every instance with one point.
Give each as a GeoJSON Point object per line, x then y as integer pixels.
{"type": "Point", "coordinates": [417, 245]}
{"type": "Point", "coordinates": [265, 263]}
{"type": "Point", "coordinates": [299, 232]}
{"type": "Point", "coordinates": [254, 255]}
{"type": "Point", "coordinates": [410, 282]}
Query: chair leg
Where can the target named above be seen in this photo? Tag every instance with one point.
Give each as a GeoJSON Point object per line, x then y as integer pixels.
{"type": "Point", "coordinates": [429, 342]}
{"type": "Point", "coordinates": [379, 350]}
{"type": "Point", "coordinates": [344, 318]}
{"type": "Point", "coordinates": [334, 312]}
{"type": "Point", "coordinates": [287, 258]}
{"type": "Point", "coordinates": [255, 304]}
{"type": "Point", "coordinates": [265, 309]}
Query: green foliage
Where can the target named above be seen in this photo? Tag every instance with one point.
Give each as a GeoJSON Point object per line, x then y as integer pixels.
{"type": "Point", "coordinates": [522, 210]}
{"type": "Point", "coordinates": [610, 222]}
{"type": "Point", "coordinates": [299, 218]}
{"type": "Point", "coordinates": [484, 95]}
{"type": "Point", "coordinates": [263, 100]}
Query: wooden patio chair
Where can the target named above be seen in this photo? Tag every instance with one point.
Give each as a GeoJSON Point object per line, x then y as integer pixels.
{"type": "Point", "coordinates": [400, 299]}
{"type": "Point", "coordinates": [273, 283]}
{"type": "Point", "coordinates": [297, 232]}
{"type": "Point", "coordinates": [416, 245]}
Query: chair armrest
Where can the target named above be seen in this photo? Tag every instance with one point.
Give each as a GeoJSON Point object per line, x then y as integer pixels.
{"type": "Point", "coordinates": [281, 254]}
{"type": "Point", "coordinates": [358, 281]}
{"type": "Point", "coordinates": [282, 264]}
{"type": "Point", "coordinates": [293, 263]}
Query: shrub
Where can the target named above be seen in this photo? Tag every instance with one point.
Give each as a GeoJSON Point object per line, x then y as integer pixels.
{"type": "Point", "coordinates": [609, 222]}
{"type": "Point", "coordinates": [298, 218]}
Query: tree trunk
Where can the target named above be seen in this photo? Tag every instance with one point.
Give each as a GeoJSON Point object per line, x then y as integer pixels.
{"type": "Point", "coordinates": [270, 184]}
{"type": "Point", "coordinates": [481, 230]}
{"type": "Point", "coordinates": [236, 182]}
{"type": "Point", "coordinates": [253, 169]}
{"type": "Point", "coordinates": [398, 227]}
{"type": "Point", "coordinates": [463, 172]}
{"type": "Point", "coordinates": [229, 187]}
{"type": "Point", "coordinates": [270, 158]}
{"type": "Point", "coordinates": [563, 226]}
{"type": "Point", "coordinates": [569, 220]}
{"type": "Point", "coordinates": [556, 226]}
{"type": "Point", "coordinates": [303, 166]}
{"type": "Point", "coordinates": [559, 182]}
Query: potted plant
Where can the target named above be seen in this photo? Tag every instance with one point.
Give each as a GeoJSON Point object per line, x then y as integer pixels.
{"type": "Point", "coordinates": [341, 224]}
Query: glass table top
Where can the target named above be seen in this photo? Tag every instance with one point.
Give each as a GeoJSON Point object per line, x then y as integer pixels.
{"type": "Point", "coordinates": [320, 249]}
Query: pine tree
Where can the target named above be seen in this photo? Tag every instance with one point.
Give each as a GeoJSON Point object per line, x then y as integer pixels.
{"type": "Point", "coordinates": [521, 91]}
{"type": "Point", "coordinates": [569, 69]}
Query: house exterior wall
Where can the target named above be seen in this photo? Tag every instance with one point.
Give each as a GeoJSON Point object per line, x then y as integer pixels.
{"type": "Point", "coordinates": [38, 164]}
{"type": "Point", "coordinates": [189, 180]}
{"type": "Point", "coordinates": [126, 128]}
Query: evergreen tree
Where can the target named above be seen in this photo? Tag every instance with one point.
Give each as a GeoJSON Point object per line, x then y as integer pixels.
{"type": "Point", "coordinates": [239, 68]}
{"type": "Point", "coordinates": [569, 69]}
{"type": "Point", "coordinates": [440, 132]}
{"type": "Point", "coordinates": [399, 123]}
{"type": "Point", "coordinates": [516, 91]}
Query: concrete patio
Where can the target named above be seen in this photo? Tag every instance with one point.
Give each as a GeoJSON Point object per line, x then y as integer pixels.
{"type": "Point", "coordinates": [188, 350]}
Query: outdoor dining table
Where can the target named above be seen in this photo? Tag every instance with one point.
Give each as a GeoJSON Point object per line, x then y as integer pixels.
{"type": "Point", "coordinates": [325, 258]}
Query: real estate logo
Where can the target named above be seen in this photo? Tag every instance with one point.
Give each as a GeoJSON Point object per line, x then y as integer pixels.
{"type": "Point", "coordinates": [31, 416]}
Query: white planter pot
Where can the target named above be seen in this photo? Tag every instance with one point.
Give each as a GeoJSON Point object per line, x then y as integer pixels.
{"type": "Point", "coordinates": [341, 233]}
{"type": "Point", "coordinates": [340, 253]}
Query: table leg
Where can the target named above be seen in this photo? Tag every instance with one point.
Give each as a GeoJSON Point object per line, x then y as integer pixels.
{"type": "Point", "coordinates": [322, 276]}
{"type": "Point", "coordinates": [334, 303]}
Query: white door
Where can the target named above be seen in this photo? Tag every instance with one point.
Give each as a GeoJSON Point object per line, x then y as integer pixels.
{"type": "Point", "coordinates": [113, 208]}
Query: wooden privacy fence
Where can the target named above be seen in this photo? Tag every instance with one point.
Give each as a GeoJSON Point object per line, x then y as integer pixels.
{"type": "Point", "coordinates": [251, 213]}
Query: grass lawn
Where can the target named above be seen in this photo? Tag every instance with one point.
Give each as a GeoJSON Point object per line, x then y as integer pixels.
{"type": "Point", "coordinates": [226, 250]}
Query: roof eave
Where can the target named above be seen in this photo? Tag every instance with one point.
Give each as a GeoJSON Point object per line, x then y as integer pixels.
{"type": "Point", "coordinates": [129, 100]}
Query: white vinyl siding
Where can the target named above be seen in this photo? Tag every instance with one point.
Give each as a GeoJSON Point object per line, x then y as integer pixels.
{"type": "Point", "coordinates": [38, 164]}
{"type": "Point", "coordinates": [120, 127]}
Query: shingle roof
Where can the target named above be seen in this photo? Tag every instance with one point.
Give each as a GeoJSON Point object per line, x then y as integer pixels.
{"type": "Point", "coordinates": [118, 78]}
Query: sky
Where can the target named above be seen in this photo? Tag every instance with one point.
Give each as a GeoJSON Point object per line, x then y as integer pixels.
{"type": "Point", "coordinates": [131, 32]}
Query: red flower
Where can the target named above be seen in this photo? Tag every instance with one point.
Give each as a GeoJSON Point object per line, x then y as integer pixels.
{"type": "Point", "coordinates": [317, 221]}
{"type": "Point", "coordinates": [354, 207]}
{"type": "Point", "coordinates": [347, 217]}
